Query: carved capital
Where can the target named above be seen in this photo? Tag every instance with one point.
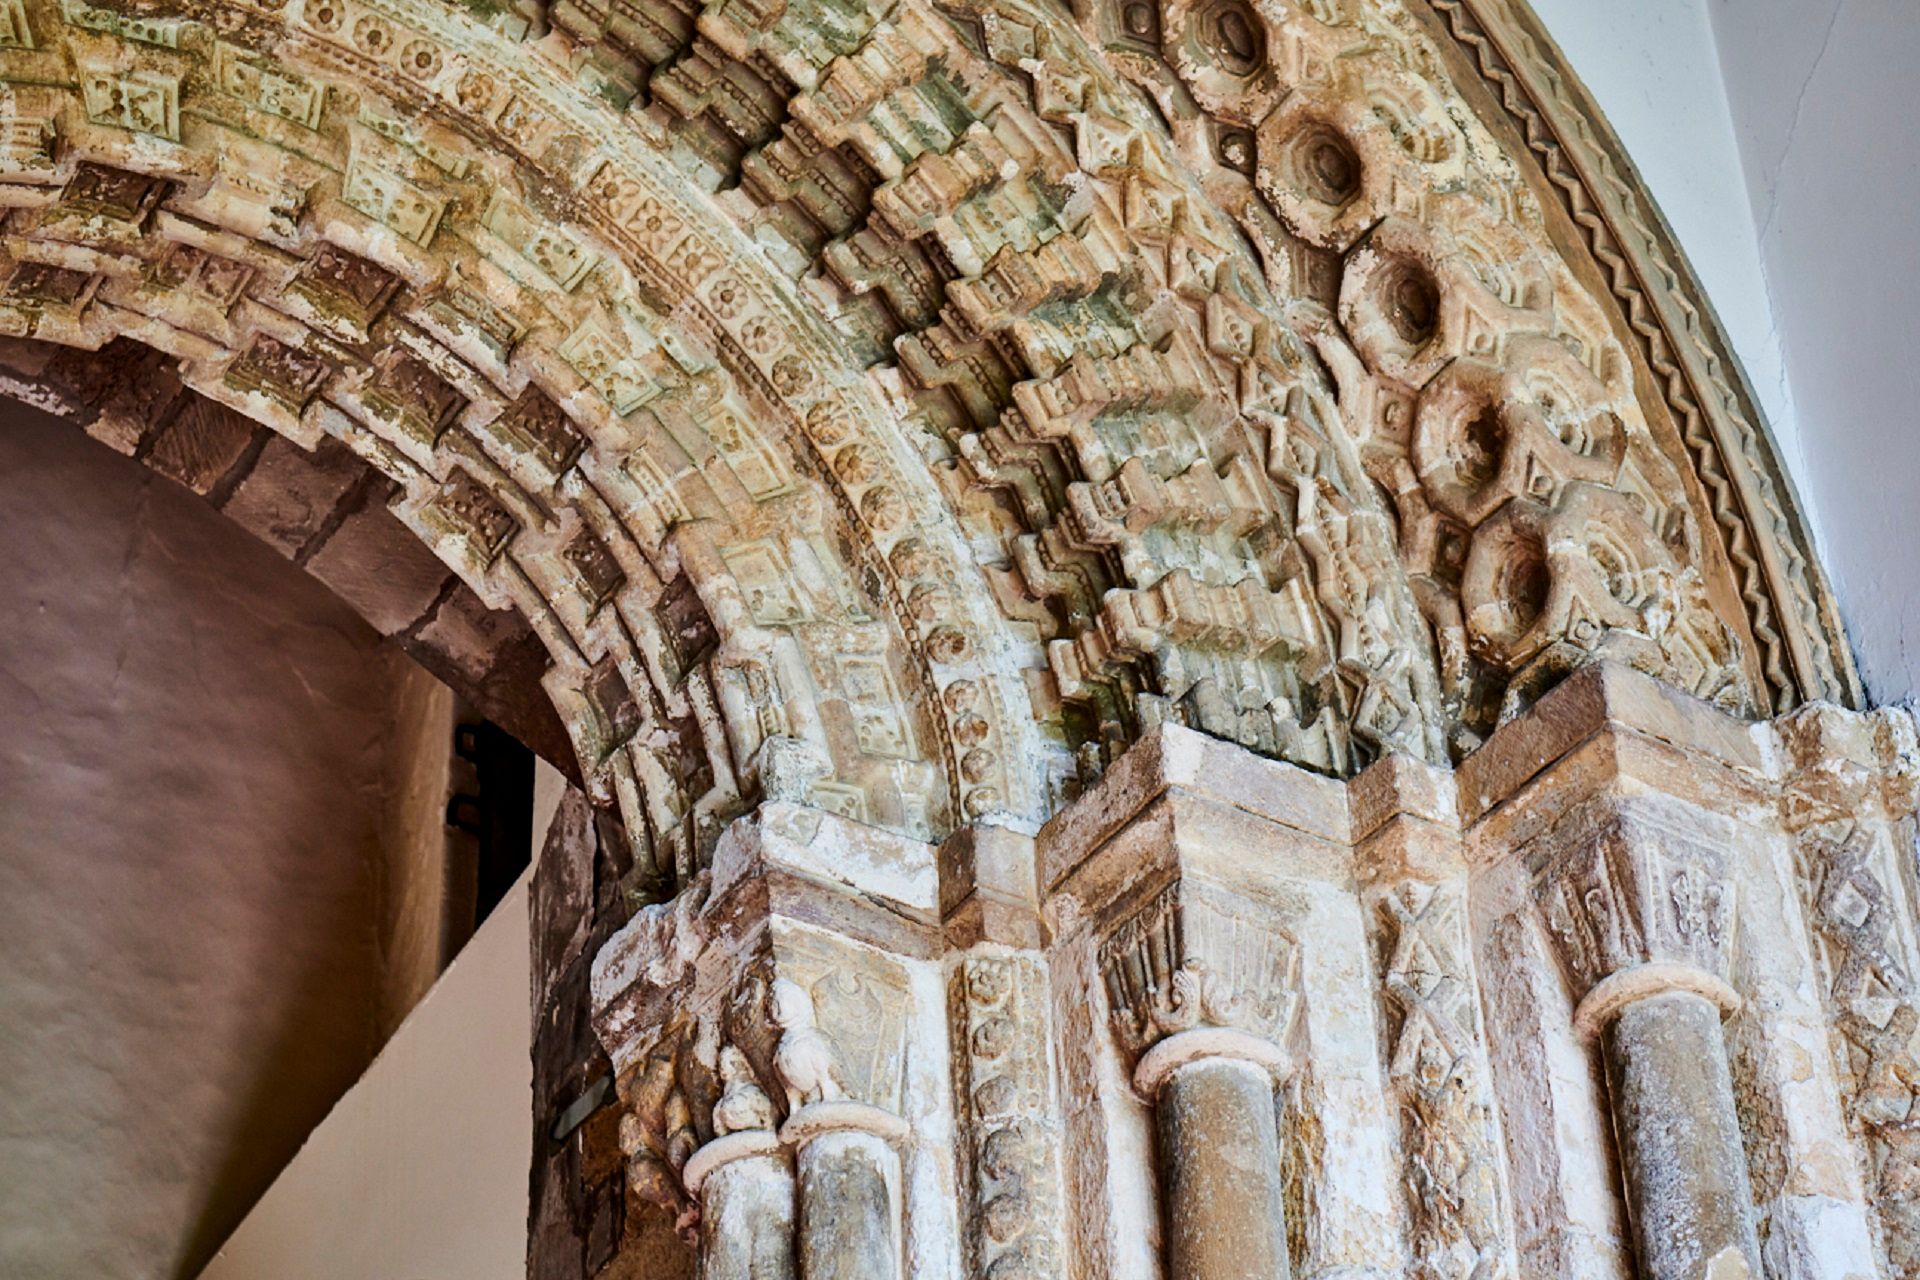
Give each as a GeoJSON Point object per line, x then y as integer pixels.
{"type": "Point", "coordinates": [1636, 893]}
{"type": "Point", "coordinates": [749, 1001]}
{"type": "Point", "coordinates": [1197, 958]}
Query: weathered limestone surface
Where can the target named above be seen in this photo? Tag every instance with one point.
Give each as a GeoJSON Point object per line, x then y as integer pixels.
{"type": "Point", "coordinates": [901, 408]}
{"type": "Point", "coordinates": [1681, 1154]}
{"type": "Point", "coordinates": [1509, 1020]}
{"type": "Point", "coordinates": [1220, 1161]}
{"type": "Point", "coordinates": [1054, 536]}
{"type": "Point", "coordinates": [747, 1222]}
{"type": "Point", "coordinates": [847, 1213]}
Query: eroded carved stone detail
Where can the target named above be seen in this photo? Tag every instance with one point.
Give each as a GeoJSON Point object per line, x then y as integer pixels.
{"type": "Point", "coordinates": [1850, 811]}
{"type": "Point", "coordinates": [1015, 1206]}
{"type": "Point", "coordinates": [1877, 1018]}
{"type": "Point", "coordinates": [1192, 958]}
{"type": "Point", "coordinates": [1636, 892]}
{"type": "Point", "coordinates": [886, 411]}
{"type": "Point", "coordinates": [1454, 1187]}
{"type": "Point", "coordinates": [1129, 415]}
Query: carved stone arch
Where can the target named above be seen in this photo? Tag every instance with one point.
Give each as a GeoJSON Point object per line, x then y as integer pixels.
{"type": "Point", "coordinates": [899, 411]}
{"type": "Point", "coordinates": [902, 426]}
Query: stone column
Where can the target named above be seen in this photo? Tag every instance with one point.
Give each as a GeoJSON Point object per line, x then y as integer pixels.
{"type": "Point", "coordinates": [1213, 1096]}
{"type": "Point", "coordinates": [849, 1177]}
{"type": "Point", "coordinates": [1688, 1200]}
{"type": "Point", "coordinates": [1642, 909]}
{"type": "Point", "coordinates": [744, 1187]}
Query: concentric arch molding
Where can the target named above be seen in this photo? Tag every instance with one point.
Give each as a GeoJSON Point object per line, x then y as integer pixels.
{"type": "Point", "coordinates": [899, 409]}
{"type": "Point", "coordinates": [1783, 585]}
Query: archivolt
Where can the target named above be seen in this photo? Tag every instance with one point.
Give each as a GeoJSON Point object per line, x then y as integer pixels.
{"type": "Point", "coordinates": [891, 406]}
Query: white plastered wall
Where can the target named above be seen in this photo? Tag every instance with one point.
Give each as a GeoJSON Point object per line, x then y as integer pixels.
{"type": "Point", "coordinates": [420, 1172]}
{"type": "Point", "coordinates": [1826, 108]}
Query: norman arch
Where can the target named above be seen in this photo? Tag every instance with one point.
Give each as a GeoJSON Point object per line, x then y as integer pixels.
{"type": "Point", "coordinates": [883, 417]}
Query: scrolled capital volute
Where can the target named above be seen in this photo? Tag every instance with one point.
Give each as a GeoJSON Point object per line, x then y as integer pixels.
{"type": "Point", "coordinates": [1198, 972]}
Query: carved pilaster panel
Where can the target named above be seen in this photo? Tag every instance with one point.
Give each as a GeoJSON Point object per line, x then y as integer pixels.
{"type": "Point", "coordinates": [1853, 899]}
{"type": "Point", "coordinates": [842, 1014]}
{"type": "Point", "coordinates": [1075, 981]}
{"type": "Point", "coordinates": [1004, 1081]}
{"type": "Point", "coordinates": [1453, 1165]}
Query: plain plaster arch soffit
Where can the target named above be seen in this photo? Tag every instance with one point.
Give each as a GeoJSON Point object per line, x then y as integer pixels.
{"type": "Point", "coordinates": [897, 409]}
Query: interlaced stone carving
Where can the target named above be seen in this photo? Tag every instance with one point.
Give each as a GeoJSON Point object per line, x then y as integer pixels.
{"type": "Point", "coordinates": [1850, 811]}
{"type": "Point", "coordinates": [880, 416]}
{"type": "Point", "coordinates": [1166, 454]}
{"type": "Point", "coordinates": [1472, 368]}
{"type": "Point", "coordinates": [1877, 1019]}
{"type": "Point", "coordinates": [1454, 1188]}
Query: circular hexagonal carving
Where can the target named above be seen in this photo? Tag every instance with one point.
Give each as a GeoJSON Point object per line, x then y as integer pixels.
{"type": "Point", "coordinates": [1588, 573]}
{"type": "Point", "coordinates": [1219, 48]}
{"type": "Point", "coordinates": [1314, 177]}
{"type": "Point", "coordinates": [1324, 166]}
{"type": "Point", "coordinates": [1140, 20]}
{"type": "Point", "coordinates": [1485, 434]}
{"type": "Point", "coordinates": [1232, 35]}
{"type": "Point", "coordinates": [1507, 583]}
{"type": "Point", "coordinates": [1394, 307]}
{"type": "Point", "coordinates": [1409, 297]}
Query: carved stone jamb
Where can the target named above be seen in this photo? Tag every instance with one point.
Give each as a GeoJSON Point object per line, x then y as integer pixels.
{"type": "Point", "coordinates": [1175, 892]}
{"type": "Point", "coordinates": [743, 1183]}
{"type": "Point", "coordinates": [761, 1028]}
{"type": "Point", "coordinates": [1412, 873]}
{"type": "Point", "coordinates": [1611, 829]}
{"type": "Point", "coordinates": [1848, 801]}
{"type": "Point", "coordinates": [1005, 1088]}
{"type": "Point", "coordinates": [1641, 914]}
{"type": "Point", "coordinates": [1202, 1003]}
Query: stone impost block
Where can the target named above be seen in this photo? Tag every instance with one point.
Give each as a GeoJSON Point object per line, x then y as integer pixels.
{"type": "Point", "coordinates": [987, 887]}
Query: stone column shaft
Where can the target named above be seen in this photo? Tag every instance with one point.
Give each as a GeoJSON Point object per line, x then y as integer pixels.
{"type": "Point", "coordinates": [746, 1220]}
{"type": "Point", "coordinates": [1220, 1172]}
{"type": "Point", "coordinates": [849, 1227]}
{"type": "Point", "coordinates": [1680, 1150]}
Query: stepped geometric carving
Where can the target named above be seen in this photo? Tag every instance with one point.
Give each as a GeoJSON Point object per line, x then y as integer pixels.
{"type": "Point", "coordinates": [1274, 411]}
